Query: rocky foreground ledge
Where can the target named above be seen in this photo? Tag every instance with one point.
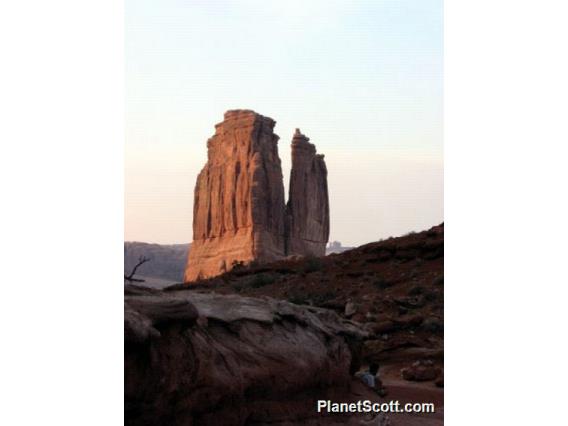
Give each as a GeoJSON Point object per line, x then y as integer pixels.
{"type": "Point", "coordinates": [208, 359]}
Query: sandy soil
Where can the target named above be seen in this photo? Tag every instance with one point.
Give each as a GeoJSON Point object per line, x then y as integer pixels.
{"type": "Point", "coordinates": [405, 392]}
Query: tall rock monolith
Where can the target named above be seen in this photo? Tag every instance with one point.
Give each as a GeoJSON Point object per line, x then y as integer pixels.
{"type": "Point", "coordinates": [307, 211]}
{"type": "Point", "coordinates": [239, 210]}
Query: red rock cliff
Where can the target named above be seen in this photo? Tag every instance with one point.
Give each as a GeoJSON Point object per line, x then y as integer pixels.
{"type": "Point", "coordinates": [238, 212]}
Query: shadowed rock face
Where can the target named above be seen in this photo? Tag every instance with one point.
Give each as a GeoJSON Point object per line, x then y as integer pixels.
{"type": "Point", "coordinates": [239, 214]}
{"type": "Point", "coordinates": [308, 203]}
{"type": "Point", "coordinates": [206, 359]}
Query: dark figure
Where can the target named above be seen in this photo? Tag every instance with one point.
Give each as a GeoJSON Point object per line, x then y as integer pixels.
{"type": "Point", "coordinates": [371, 379]}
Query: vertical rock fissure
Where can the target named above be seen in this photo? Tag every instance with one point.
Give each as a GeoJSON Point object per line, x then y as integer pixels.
{"type": "Point", "coordinates": [234, 196]}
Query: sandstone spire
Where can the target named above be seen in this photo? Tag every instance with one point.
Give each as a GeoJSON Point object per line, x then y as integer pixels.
{"type": "Point", "coordinates": [307, 211]}
{"type": "Point", "coordinates": [238, 212]}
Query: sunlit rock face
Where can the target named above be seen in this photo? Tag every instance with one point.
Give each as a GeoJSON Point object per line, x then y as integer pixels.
{"type": "Point", "coordinates": [239, 212]}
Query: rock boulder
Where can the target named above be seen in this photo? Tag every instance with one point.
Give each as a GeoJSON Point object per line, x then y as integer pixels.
{"type": "Point", "coordinates": [206, 359]}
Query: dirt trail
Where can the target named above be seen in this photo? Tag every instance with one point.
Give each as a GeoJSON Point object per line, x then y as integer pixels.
{"type": "Point", "coordinates": [412, 392]}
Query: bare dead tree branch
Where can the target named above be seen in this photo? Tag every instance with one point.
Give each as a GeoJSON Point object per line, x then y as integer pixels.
{"type": "Point", "coordinates": [130, 278]}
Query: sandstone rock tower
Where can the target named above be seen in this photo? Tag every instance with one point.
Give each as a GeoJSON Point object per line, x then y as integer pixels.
{"type": "Point", "coordinates": [239, 212]}
{"type": "Point", "coordinates": [307, 211]}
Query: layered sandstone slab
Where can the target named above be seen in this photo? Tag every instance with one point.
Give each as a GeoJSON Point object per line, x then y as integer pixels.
{"type": "Point", "coordinates": [308, 202]}
{"type": "Point", "coordinates": [239, 210]}
{"type": "Point", "coordinates": [207, 359]}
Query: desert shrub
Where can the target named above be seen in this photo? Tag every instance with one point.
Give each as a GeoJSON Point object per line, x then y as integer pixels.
{"type": "Point", "coordinates": [313, 264]}
{"type": "Point", "coordinates": [253, 264]}
{"type": "Point", "coordinates": [238, 264]}
{"type": "Point", "coordinates": [239, 268]}
{"type": "Point", "coordinates": [285, 270]}
{"type": "Point", "coordinates": [413, 273]}
{"type": "Point", "coordinates": [298, 299]}
{"type": "Point", "coordinates": [314, 299]}
{"type": "Point", "coordinates": [319, 299]}
{"type": "Point", "coordinates": [415, 291]}
{"type": "Point", "coordinates": [406, 254]}
{"type": "Point", "coordinates": [433, 324]}
{"type": "Point", "coordinates": [261, 280]}
{"type": "Point", "coordinates": [380, 283]}
{"type": "Point", "coordinates": [432, 296]}
{"type": "Point", "coordinates": [239, 286]}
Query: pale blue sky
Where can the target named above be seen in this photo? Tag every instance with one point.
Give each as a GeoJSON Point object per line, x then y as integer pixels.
{"type": "Point", "coordinates": [362, 79]}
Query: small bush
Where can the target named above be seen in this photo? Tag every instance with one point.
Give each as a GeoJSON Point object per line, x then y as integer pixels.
{"type": "Point", "coordinates": [433, 325]}
{"type": "Point", "coordinates": [298, 299]}
{"type": "Point", "coordinates": [285, 270]}
{"type": "Point", "coordinates": [313, 264]}
{"type": "Point", "coordinates": [381, 284]}
{"type": "Point", "coordinates": [313, 299]}
{"type": "Point", "coordinates": [238, 264]}
{"type": "Point", "coordinates": [240, 286]}
{"type": "Point", "coordinates": [261, 280]}
{"type": "Point", "coordinates": [320, 299]}
{"type": "Point", "coordinates": [415, 291]}
{"type": "Point", "coordinates": [413, 273]}
{"type": "Point", "coordinates": [432, 296]}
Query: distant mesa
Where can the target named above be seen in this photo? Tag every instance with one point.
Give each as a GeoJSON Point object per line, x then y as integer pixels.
{"type": "Point", "coordinates": [336, 247]}
{"type": "Point", "coordinates": [239, 211]}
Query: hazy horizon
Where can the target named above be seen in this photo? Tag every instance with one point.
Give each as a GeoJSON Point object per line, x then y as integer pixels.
{"type": "Point", "coordinates": [362, 79]}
